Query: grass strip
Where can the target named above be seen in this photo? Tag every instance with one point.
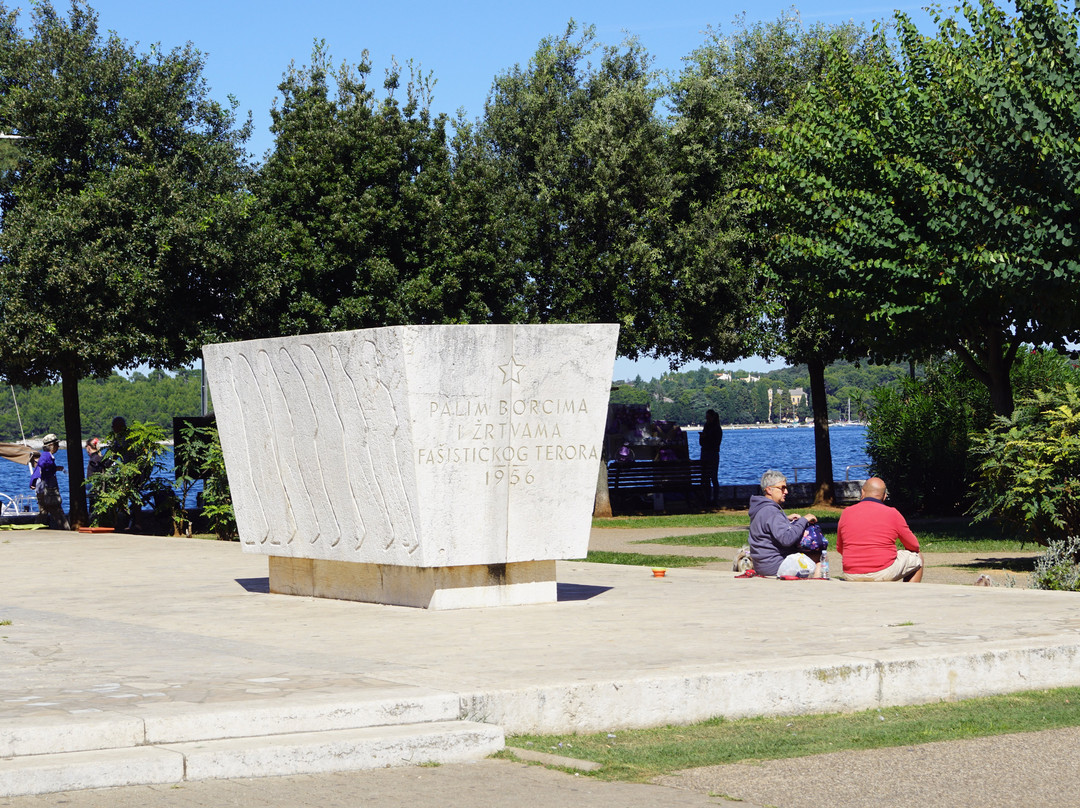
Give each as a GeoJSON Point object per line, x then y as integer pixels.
{"type": "Point", "coordinates": [961, 539]}
{"type": "Point", "coordinates": [717, 519]}
{"type": "Point", "coordinates": [725, 519]}
{"type": "Point", "coordinates": [641, 755]}
{"type": "Point", "coordinates": [643, 560]}
{"type": "Point", "coordinates": [725, 539]}
{"type": "Point", "coordinates": [970, 540]}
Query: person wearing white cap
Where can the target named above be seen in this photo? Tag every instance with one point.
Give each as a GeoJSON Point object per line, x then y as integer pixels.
{"type": "Point", "coordinates": [48, 489]}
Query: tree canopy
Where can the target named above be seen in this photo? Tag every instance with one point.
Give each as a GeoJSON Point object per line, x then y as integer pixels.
{"type": "Point", "coordinates": [932, 193]}
{"type": "Point", "coordinates": [735, 92]}
{"type": "Point", "coordinates": [123, 218]}
{"type": "Point", "coordinates": [576, 153]}
{"type": "Point", "coordinates": [353, 202]}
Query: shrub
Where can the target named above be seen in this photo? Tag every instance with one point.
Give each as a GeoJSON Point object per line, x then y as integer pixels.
{"type": "Point", "coordinates": [201, 458]}
{"type": "Point", "coordinates": [917, 436]}
{"type": "Point", "coordinates": [127, 483]}
{"type": "Point", "coordinates": [1028, 472]}
{"type": "Point", "coordinates": [1057, 568]}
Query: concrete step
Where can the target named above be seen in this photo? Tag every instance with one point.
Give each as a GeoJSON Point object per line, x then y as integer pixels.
{"type": "Point", "coordinates": [253, 756]}
{"type": "Point", "coordinates": [177, 723]}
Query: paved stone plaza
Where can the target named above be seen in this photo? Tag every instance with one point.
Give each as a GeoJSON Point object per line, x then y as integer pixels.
{"type": "Point", "coordinates": [132, 659]}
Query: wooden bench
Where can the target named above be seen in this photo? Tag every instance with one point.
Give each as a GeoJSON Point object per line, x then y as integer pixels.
{"type": "Point", "coordinates": [654, 477]}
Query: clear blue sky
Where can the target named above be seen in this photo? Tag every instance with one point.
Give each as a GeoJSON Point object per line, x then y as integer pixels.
{"type": "Point", "coordinates": [249, 45]}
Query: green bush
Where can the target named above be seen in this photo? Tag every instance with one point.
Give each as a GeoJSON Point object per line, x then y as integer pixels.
{"type": "Point", "coordinates": [128, 481]}
{"type": "Point", "coordinates": [1028, 472]}
{"type": "Point", "coordinates": [200, 457]}
{"type": "Point", "coordinates": [217, 499]}
{"type": "Point", "coordinates": [917, 437]}
{"type": "Point", "coordinates": [919, 433]}
{"type": "Point", "coordinates": [1057, 568]}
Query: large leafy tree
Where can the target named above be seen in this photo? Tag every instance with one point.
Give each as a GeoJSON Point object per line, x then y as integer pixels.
{"type": "Point", "coordinates": [9, 153]}
{"type": "Point", "coordinates": [728, 101]}
{"type": "Point", "coordinates": [576, 160]}
{"type": "Point", "coordinates": [354, 202]}
{"type": "Point", "coordinates": [575, 175]}
{"type": "Point", "coordinates": [932, 194]}
{"type": "Point", "coordinates": [120, 218]}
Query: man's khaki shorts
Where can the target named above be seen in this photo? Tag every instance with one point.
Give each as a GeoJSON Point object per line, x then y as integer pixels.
{"type": "Point", "coordinates": [906, 563]}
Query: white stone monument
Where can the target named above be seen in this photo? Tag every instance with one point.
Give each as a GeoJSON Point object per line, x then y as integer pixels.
{"type": "Point", "coordinates": [433, 466]}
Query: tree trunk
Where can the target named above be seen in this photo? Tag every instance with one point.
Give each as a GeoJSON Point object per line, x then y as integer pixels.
{"type": "Point", "coordinates": [823, 476]}
{"type": "Point", "coordinates": [1001, 393]}
{"type": "Point", "coordinates": [602, 502]}
{"type": "Point", "coordinates": [994, 372]}
{"type": "Point", "coordinates": [73, 434]}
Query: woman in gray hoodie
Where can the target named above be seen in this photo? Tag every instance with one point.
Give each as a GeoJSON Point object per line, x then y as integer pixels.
{"type": "Point", "coordinates": [775, 535]}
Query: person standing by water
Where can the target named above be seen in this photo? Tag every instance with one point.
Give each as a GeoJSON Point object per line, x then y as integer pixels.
{"type": "Point", "coordinates": [712, 435]}
{"type": "Point", "coordinates": [95, 464]}
{"type": "Point", "coordinates": [118, 441]}
{"type": "Point", "coordinates": [48, 488]}
{"type": "Point", "coordinates": [120, 452]}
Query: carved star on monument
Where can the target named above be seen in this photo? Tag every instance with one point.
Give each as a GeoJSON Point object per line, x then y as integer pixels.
{"type": "Point", "coordinates": [512, 371]}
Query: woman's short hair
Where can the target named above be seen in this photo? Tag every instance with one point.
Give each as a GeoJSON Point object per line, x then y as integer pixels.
{"type": "Point", "coordinates": [771, 478]}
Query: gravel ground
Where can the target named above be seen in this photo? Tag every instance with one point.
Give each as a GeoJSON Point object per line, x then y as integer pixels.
{"type": "Point", "coordinates": [1027, 769]}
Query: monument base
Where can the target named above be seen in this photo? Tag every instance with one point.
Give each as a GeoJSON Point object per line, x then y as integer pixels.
{"type": "Point", "coordinates": [423, 587]}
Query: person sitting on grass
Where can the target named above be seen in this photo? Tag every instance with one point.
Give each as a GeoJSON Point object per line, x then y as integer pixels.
{"type": "Point", "coordinates": [775, 535]}
{"type": "Point", "coordinates": [866, 539]}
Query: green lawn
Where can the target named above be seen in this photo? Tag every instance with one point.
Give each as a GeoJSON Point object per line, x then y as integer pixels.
{"type": "Point", "coordinates": [642, 560]}
{"type": "Point", "coordinates": [721, 519]}
{"type": "Point", "coordinates": [968, 538]}
{"type": "Point", "coordinates": [935, 535]}
{"type": "Point", "coordinates": [640, 755]}
{"type": "Point", "coordinates": [677, 520]}
{"type": "Point", "coordinates": [728, 538]}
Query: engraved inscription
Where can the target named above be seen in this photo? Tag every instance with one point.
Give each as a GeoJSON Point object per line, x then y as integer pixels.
{"type": "Point", "coordinates": [512, 439]}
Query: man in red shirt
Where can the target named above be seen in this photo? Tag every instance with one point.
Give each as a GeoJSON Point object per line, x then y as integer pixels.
{"type": "Point", "coordinates": [866, 540]}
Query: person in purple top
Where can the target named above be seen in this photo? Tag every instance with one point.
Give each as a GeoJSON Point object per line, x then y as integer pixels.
{"type": "Point", "coordinates": [47, 488]}
{"type": "Point", "coordinates": [775, 535]}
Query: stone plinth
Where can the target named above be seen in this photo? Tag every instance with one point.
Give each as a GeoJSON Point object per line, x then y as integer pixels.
{"type": "Point", "coordinates": [418, 465]}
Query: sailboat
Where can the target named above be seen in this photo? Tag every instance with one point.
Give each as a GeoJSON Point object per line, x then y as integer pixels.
{"type": "Point", "coordinates": [18, 504]}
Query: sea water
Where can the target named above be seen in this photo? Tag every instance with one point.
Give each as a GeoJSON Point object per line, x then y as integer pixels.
{"type": "Point", "coordinates": [15, 477]}
{"type": "Point", "coordinates": [745, 453]}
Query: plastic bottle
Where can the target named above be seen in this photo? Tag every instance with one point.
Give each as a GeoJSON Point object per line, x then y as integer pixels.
{"type": "Point", "coordinates": [824, 563]}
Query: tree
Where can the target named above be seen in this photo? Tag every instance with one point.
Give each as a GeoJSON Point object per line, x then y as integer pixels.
{"type": "Point", "coordinates": [728, 101]}
{"type": "Point", "coordinates": [932, 193]}
{"type": "Point", "coordinates": [577, 159]}
{"type": "Point", "coordinates": [9, 154]}
{"type": "Point", "coordinates": [353, 203]}
{"type": "Point", "coordinates": [121, 219]}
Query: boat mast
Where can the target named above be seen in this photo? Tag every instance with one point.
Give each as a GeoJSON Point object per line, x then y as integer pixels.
{"type": "Point", "coordinates": [17, 415]}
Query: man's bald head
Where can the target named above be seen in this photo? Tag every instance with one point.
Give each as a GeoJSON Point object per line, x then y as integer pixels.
{"type": "Point", "coordinates": [874, 487]}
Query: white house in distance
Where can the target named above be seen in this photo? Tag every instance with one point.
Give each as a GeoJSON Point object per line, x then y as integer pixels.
{"type": "Point", "coordinates": [725, 376]}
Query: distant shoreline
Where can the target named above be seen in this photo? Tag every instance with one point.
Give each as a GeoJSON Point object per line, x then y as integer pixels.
{"type": "Point", "coordinates": [37, 445]}
{"type": "Point", "coordinates": [696, 428]}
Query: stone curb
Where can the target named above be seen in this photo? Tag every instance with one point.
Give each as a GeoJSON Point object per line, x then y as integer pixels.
{"type": "Point", "coordinates": [296, 753]}
{"type": "Point", "coordinates": [824, 684]}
